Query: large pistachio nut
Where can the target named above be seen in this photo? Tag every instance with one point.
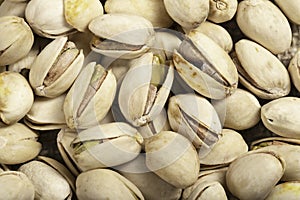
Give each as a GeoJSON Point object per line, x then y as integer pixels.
{"type": "Point", "coordinates": [188, 14]}
{"type": "Point", "coordinates": [121, 35]}
{"type": "Point", "coordinates": [205, 66]}
{"type": "Point", "coordinates": [106, 145]}
{"type": "Point", "coordinates": [256, 19]}
{"type": "Point", "coordinates": [47, 19]}
{"type": "Point", "coordinates": [12, 8]}
{"type": "Point", "coordinates": [281, 116]}
{"type": "Point", "coordinates": [18, 144]}
{"type": "Point", "coordinates": [260, 71]}
{"type": "Point", "coordinates": [242, 110]}
{"type": "Point", "coordinates": [105, 184]}
{"type": "Point", "coordinates": [154, 10]}
{"type": "Point", "coordinates": [253, 175]}
{"type": "Point", "coordinates": [15, 185]}
{"type": "Point", "coordinates": [49, 184]}
{"type": "Point", "coordinates": [55, 68]}
{"type": "Point", "coordinates": [287, 190]}
{"type": "Point", "coordinates": [16, 39]}
{"type": "Point", "coordinates": [290, 9]}
{"type": "Point", "coordinates": [173, 158]}
{"type": "Point", "coordinates": [16, 97]}
{"type": "Point", "coordinates": [90, 97]}
{"type": "Point", "coordinates": [294, 70]}
{"type": "Point", "coordinates": [196, 119]}
{"type": "Point", "coordinates": [145, 89]}
{"type": "Point", "coordinates": [222, 10]}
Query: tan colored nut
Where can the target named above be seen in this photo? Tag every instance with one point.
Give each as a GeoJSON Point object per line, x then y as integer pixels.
{"type": "Point", "coordinates": [290, 9]}
{"type": "Point", "coordinates": [222, 10]}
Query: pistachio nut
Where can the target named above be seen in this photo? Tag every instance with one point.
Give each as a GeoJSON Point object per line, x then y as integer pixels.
{"type": "Point", "coordinates": [154, 10]}
{"type": "Point", "coordinates": [222, 10]}
{"type": "Point", "coordinates": [290, 9]}
{"type": "Point", "coordinates": [218, 175]}
{"type": "Point", "coordinates": [55, 68]}
{"type": "Point", "coordinates": [188, 14]}
{"type": "Point", "coordinates": [242, 110]}
{"type": "Point", "coordinates": [16, 39]}
{"type": "Point", "coordinates": [121, 35]}
{"type": "Point", "coordinates": [15, 185]}
{"type": "Point", "coordinates": [205, 66]}
{"type": "Point", "coordinates": [256, 19]}
{"type": "Point", "coordinates": [90, 97]}
{"type": "Point", "coordinates": [173, 158]}
{"type": "Point", "coordinates": [253, 175]}
{"type": "Point", "coordinates": [287, 190]}
{"type": "Point", "coordinates": [47, 19]}
{"type": "Point", "coordinates": [145, 89]}
{"type": "Point", "coordinates": [49, 184]}
{"type": "Point", "coordinates": [18, 144]}
{"type": "Point", "coordinates": [260, 71]}
{"type": "Point", "coordinates": [12, 8]}
{"type": "Point", "coordinates": [281, 116]}
{"type": "Point", "coordinates": [294, 70]}
{"type": "Point", "coordinates": [16, 97]}
{"type": "Point", "coordinates": [196, 119]}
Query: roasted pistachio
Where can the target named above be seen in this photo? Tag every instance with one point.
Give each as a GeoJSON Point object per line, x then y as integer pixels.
{"type": "Point", "coordinates": [294, 70]}
{"type": "Point", "coordinates": [222, 10]}
{"type": "Point", "coordinates": [290, 9]}
{"type": "Point", "coordinates": [12, 8]}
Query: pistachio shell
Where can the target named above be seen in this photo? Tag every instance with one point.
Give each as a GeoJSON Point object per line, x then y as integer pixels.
{"type": "Point", "coordinates": [276, 37]}
{"type": "Point", "coordinates": [82, 41]}
{"type": "Point", "coordinates": [222, 10]}
{"type": "Point", "coordinates": [287, 190]}
{"type": "Point", "coordinates": [290, 9]}
{"type": "Point", "coordinates": [208, 190]}
{"type": "Point", "coordinates": [294, 70]}
{"type": "Point", "coordinates": [11, 8]}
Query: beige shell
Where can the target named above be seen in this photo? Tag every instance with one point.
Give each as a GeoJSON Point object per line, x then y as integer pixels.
{"type": "Point", "coordinates": [294, 70]}
{"type": "Point", "coordinates": [105, 184]}
{"type": "Point", "coordinates": [264, 23]}
{"type": "Point", "coordinates": [153, 10]}
{"type": "Point", "coordinates": [82, 41]}
{"type": "Point", "coordinates": [16, 39]}
{"type": "Point", "coordinates": [118, 66]}
{"type": "Point", "coordinates": [205, 66]}
{"type": "Point", "coordinates": [16, 97]}
{"type": "Point", "coordinates": [290, 9]}
{"type": "Point", "coordinates": [173, 158]}
{"type": "Point", "coordinates": [260, 71]}
{"type": "Point", "coordinates": [287, 190]}
{"type": "Point", "coordinates": [222, 10]}
{"type": "Point", "coordinates": [12, 8]}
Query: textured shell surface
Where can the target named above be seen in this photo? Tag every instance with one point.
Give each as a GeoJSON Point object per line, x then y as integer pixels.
{"type": "Point", "coordinates": [222, 10]}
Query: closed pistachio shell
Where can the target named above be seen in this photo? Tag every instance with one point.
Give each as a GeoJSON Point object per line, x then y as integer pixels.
{"type": "Point", "coordinates": [11, 8]}
{"type": "Point", "coordinates": [222, 10]}
{"type": "Point", "coordinates": [264, 23]}
{"type": "Point", "coordinates": [290, 9]}
{"type": "Point", "coordinates": [287, 190]}
{"type": "Point", "coordinates": [294, 70]}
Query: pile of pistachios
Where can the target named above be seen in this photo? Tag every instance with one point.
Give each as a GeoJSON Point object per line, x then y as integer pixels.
{"type": "Point", "coordinates": [150, 99]}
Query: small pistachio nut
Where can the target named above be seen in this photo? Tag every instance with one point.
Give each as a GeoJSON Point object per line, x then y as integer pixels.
{"type": "Point", "coordinates": [15, 185]}
{"type": "Point", "coordinates": [173, 158]}
{"type": "Point", "coordinates": [55, 68]}
{"type": "Point", "coordinates": [90, 97]}
{"type": "Point", "coordinates": [188, 14]}
{"type": "Point", "coordinates": [294, 70]}
{"type": "Point", "coordinates": [263, 22]}
{"type": "Point", "coordinates": [105, 184]}
{"type": "Point", "coordinates": [205, 66]}
{"type": "Point", "coordinates": [16, 97]}
{"type": "Point", "coordinates": [145, 89]}
{"type": "Point", "coordinates": [79, 13]}
{"type": "Point", "coordinates": [281, 116]}
{"type": "Point", "coordinates": [239, 111]}
{"type": "Point", "coordinates": [253, 175]}
{"type": "Point", "coordinates": [260, 71]}
{"type": "Point", "coordinates": [290, 9]}
{"type": "Point", "coordinates": [222, 10]}
{"type": "Point", "coordinates": [195, 118]}
{"type": "Point", "coordinates": [48, 182]}
{"type": "Point", "coordinates": [47, 19]}
{"type": "Point", "coordinates": [287, 190]}
{"type": "Point", "coordinates": [13, 8]}
{"type": "Point", "coordinates": [154, 10]}
{"type": "Point", "coordinates": [121, 35]}
{"type": "Point", "coordinates": [16, 39]}
{"type": "Point", "coordinates": [18, 144]}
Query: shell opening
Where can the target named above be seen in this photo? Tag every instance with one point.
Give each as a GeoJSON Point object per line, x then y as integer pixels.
{"type": "Point", "coordinates": [107, 44]}
{"type": "Point", "coordinates": [80, 147]}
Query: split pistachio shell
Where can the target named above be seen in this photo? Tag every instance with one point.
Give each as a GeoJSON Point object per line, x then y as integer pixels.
{"type": "Point", "coordinates": [49, 184]}
{"type": "Point", "coordinates": [222, 10]}
{"type": "Point", "coordinates": [196, 119]}
{"type": "Point", "coordinates": [239, 111]}
{"type": "Point", "coordinates": [294, 70]}
{"type": "Point", "coordinates": [90, 97]}
{"type": "Point", "coordinates": [16, 39]}
{"type": "Point", "coordinates": [105, 184]}
{"type": "Point", "coordinates": [16, 97]}
{"type": "Point", "coordinates": [173, 158]}
{"type": "Point", "coordinates": [253, 175]}
{"type": "Point", "coordinates": [260, 71]}
{"type": "Point", "coordinates": [15, 185]}
{"type": "Point", "coordinates": [287, 190]}
{"type": "Point", "coordinates": [145, 89]}
{"type": "Point", "coordinates": [290, 9]}
{"type": "Point", "coordinates": [188, 13]}
{"type": "Point", "coordinates": [11, 8]}
{"type": "Point", "coordinates": [121, 35]}
{"type": "Point", "coordinates": [281, 116]}
{"type": "Point", "coordinates": [153, 10]}
{"type": "Point", "coordinates": [205, 66]}
{"type": "Point", "coordinates": [47, 19]}
{"type": "Point", "coordinates": [256, 19]}
{"type": "Point", "coordinates": [18, 144]}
